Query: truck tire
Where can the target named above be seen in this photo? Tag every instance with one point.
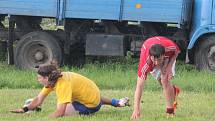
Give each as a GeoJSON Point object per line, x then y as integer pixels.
{"type": "Point", "coordinates": [36, 48]}
{"type": "Point", "coordinates": [205, 54]}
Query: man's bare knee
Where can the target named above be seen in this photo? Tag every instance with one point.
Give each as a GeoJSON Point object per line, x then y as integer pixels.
{"type": "Point", "coordinates": [70, 110]}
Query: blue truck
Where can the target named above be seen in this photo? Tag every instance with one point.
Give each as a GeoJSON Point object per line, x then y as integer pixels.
{"type": "Point", "coordinates": [105, 28]}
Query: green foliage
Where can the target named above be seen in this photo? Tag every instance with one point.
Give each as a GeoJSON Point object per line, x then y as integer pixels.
{"type": "Point", "coordinates": [114, 75]}
{"type": "Point", "coordinates": [11, 77]}
{"type": "Point", "coordinates": [50, 24]}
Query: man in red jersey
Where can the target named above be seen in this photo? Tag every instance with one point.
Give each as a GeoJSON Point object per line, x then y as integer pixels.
{"type": "Point", "coordinates": [158, 56]}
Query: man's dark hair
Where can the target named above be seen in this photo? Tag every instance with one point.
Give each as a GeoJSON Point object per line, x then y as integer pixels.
{"type": "Point", "coordinates": [157, 50]}
{"type": "Point", "coordinates": [51, 71]}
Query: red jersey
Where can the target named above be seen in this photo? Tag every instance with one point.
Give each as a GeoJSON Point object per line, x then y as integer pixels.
{"type": "Point", "coordinates": [145, 64]}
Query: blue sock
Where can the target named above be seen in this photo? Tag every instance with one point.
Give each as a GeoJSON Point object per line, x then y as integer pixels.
{"type": "Point", "coordinates": [114, 102]}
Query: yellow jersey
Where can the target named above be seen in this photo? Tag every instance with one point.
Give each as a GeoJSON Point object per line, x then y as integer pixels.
{"type": "Point", "coordinates": [75, 87]}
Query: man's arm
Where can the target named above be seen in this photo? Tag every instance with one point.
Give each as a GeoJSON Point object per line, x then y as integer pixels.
{"type": "Point", "coordinates": [60, 111]}
{"type": "Point", "coordinates": [37, 101]}
{"type": "Point", "coordinates": [172, 60]}
{"type": "Point", "coordinates": [164, 66]}
{"type": "Point", "coordinates": [169, 66]}
{"type": "Point", "coordinates": [137, 98]}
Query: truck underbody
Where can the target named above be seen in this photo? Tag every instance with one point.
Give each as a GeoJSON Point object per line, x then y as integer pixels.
{"type": "Point", "coordinates": [30, 45]}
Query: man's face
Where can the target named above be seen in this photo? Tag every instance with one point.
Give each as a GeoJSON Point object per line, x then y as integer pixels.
{"type": "Point", "coordinates": [43, 80]}
{"type": "Point", "coordinates": [157, 61]}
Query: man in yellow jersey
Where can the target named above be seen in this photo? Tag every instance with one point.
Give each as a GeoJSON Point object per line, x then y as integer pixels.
{"type": "Point", "coordinates": [76, 94]}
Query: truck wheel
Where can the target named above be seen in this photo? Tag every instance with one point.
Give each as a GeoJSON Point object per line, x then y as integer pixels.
{"type": "Point", "coordinates": [37, 48]}
{"type": "Point", "coordinates": [205, 54]}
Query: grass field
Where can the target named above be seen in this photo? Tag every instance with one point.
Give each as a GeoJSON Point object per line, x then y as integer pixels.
{"type": "Point", "coordinates": [113, 76]}
{"type": "Point", "coordinates": [196, 102]}
{"type": "Point", "coordinates": [192, 107]}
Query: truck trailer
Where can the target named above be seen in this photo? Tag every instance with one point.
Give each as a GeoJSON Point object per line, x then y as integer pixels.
{"type": "Point", "coordinates": [105, 28]}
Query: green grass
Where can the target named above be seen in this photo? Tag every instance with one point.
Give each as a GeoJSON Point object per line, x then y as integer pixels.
{"type": "Point", "coordinates": [113, 76]}
{"type": "Point", "coordinates": [192, 107]}
{"type": "Point", "coordinates": [115, 79]}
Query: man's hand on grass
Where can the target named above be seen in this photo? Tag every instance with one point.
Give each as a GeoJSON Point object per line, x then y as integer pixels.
{"type": "Point", "coordinates": [17, 111]}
